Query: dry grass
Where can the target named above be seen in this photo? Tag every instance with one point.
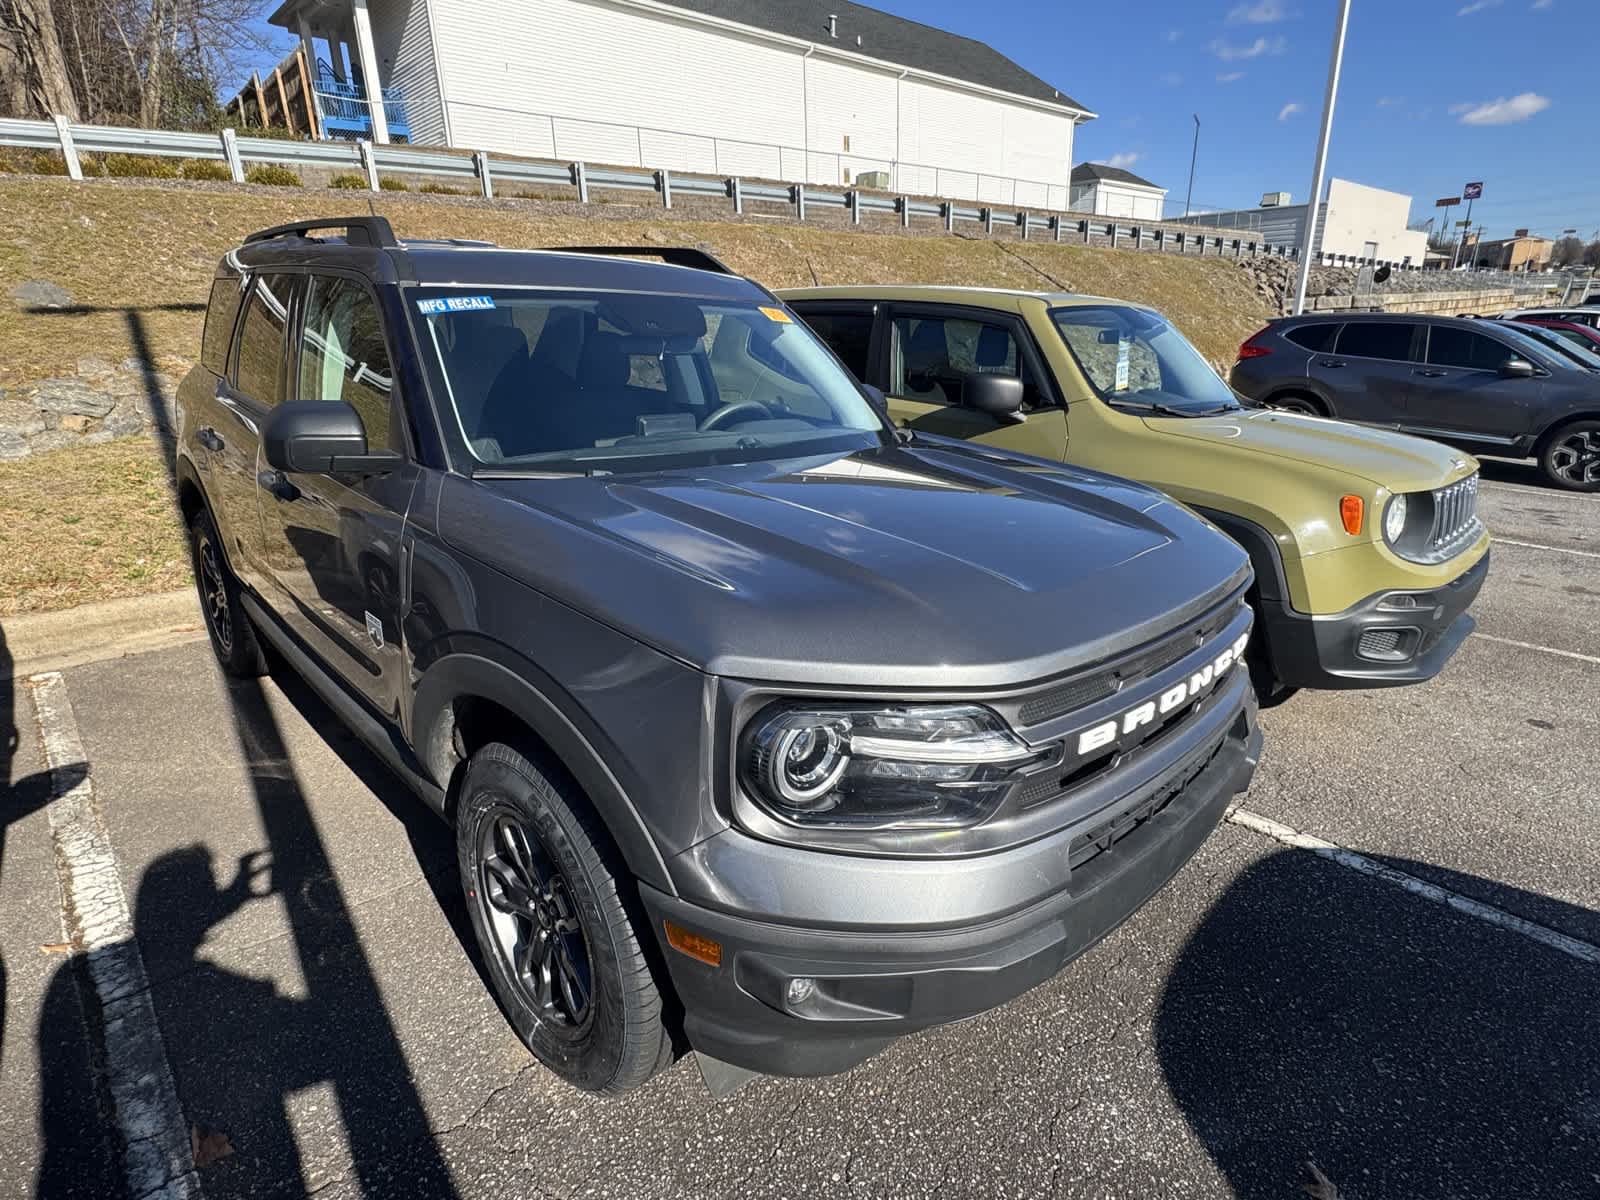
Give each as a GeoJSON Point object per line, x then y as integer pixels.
{"type": "Point", "coordinates": [89, 523]}
{"type": "Point", "coordinates": [95, 523]}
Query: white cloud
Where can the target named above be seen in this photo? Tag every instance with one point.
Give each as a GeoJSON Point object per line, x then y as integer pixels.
{"type": "Point", "coordinates": [1173, 35]}
{"type": "Point", "coordinates": [1122, 160]}
{"type": "Point", "coordinates": [1230, 77]}
{"type": "Point", "coordinates": [1466, 10]}
{"type": "Point", "coordinates": [1538, 4]}
{"type": "Point", "coordinates": [1501, 111]}
{"type": "Point", "coordinates": [1389, 101]}
{"type": "Point", "coordinates": [1172, 79]}
{"type": "Point", "coordinates": [1261, 12]}
{"type": "Point", "coordinates": [1231, 53]}
{"type": "Point", "coordinates": [1289, 110]}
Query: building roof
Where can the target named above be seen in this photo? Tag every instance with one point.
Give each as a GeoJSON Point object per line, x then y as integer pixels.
{"type": "Point", "coordinates": [888, 37]}
{"type": "Point", "coordinates": [1100, 172]}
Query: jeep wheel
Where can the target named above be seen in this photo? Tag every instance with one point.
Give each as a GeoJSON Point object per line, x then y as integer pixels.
{"type": "Point", "coordinates": [1295, 403]}
{"type": "Point", "coordinates": [1571, 457]}
{"type": "Point", "coordinates": [233, 638]}
{"type": "Point", "coordinates": [550, 905]}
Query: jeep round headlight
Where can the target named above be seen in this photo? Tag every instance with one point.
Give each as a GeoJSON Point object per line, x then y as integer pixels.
{"type": "Point", "coordinates": [917, 766]}
{"type": "Point", "coordinates": [1394, 519]}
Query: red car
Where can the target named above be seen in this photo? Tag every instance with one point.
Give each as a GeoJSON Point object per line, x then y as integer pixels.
{"type": "Point", "coordinates": [1584, 335]}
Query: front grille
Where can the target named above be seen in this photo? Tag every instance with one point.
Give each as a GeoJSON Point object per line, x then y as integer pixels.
{"type": "Point", "coordinates": [1379, 643]}
{"type": "Point", "coordinates": [1102, 837]}
{"type": "Point", "coordinates": [1455, 515]}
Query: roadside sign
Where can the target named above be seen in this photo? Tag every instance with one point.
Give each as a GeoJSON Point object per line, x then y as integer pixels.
{"type": "Point", "coordinates": [1447, 202]}
{"type": "Point", "coordinates": [1472, 191]}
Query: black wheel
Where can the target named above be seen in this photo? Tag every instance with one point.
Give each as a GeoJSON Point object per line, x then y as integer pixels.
{"type": "Point", "coordinates": [552, 909]}
{"type": "Point", "coordinates": [233, 638]}
{"type": "Point", "coordinates": [1296, 404]}
{"type": "Point", "coordinates": [1570, 457]}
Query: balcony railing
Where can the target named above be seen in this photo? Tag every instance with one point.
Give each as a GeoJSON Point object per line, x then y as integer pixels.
{"type": "Point", "coordinates": [345, 114]}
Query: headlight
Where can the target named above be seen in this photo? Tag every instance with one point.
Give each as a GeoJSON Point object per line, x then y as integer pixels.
{"type": "Point", "coordinates": [1394, 519]}
{"type": "Point", "coordinates": [913, 767]}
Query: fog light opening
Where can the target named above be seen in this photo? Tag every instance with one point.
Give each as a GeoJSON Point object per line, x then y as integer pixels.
{"type": "Point", "coordinates": [799, 991]}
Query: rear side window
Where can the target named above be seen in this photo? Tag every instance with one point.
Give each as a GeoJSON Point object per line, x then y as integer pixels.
{"type": "Point", "coordinates": [221, 313]}
{"type": "Point", "coordinates": [934, 355]}
{"type": "Point", "coordinates": [1449, 347]}
{"type": "Point", "coordinates": [258, 368]}
{"type": "Point", "coordinates": [1316, 338]}
{"type": "Point", "coordinates": [848, 334]}
{"type": "Point", "coordinates": [1378, 339]}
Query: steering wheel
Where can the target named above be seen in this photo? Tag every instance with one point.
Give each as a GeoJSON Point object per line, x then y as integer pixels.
{"type": "Point", "coordinates": [719, 418]}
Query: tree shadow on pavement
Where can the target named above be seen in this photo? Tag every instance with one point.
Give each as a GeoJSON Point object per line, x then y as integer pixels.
{"type": "Point", "coordinates": [1316, 1015]}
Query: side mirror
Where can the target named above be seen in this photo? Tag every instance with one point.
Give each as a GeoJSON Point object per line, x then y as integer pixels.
{"type": "Point", "coordinates": [1516, 368]}
{"type": "Point", "coordinates": [321, 437]}
{"type": "Point", "coordinates": [998, 396]}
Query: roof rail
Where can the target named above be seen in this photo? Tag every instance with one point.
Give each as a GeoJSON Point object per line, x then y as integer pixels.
{"type": "Point", "coordinates": [677, 256]}
{"type": "Point", "coordinates": [369, 231]}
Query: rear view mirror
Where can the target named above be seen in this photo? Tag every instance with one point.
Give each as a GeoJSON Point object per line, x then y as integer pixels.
{"type": "Point", "coordinates": [1516, 368]}
{"type": "Point", "coordinates": [321, 437]}
{"type": "Point", "coordinates": [999, 396]}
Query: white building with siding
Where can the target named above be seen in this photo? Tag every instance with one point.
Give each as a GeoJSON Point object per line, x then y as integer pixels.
{"type": "Point", "coordinates": [1354, 222]}
{"type": "Point", "coordinates": [1115, 192]}
{"type": "Point", "coordinates": [815, 91]}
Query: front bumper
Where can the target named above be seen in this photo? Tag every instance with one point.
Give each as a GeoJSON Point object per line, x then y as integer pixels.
{"type": "Point", "coordinates": [1389, 639]}
{"type": "Point", "coordinates": [873, 983]}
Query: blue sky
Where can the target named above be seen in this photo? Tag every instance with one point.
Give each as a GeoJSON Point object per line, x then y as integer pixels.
{"type": "Point", "coordinates": [1434, 93]}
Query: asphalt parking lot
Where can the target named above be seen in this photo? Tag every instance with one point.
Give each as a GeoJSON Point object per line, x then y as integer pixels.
{"type": "Point", "coordinates": [311, 972]}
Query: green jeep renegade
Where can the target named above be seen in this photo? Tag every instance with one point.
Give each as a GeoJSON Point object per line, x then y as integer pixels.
{"type": "Point", "coordinates": [1367, 545]}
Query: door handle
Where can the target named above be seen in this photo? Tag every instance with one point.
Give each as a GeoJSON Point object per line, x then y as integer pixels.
{"type": "Point", "coordinates": [210, 438]}
{"type": "Point", "coordinates": [278, 484]}
{"type": "Point", "coordinates": [1330, 362]}
{"type": "Point", "coordinates": [1431, 374]}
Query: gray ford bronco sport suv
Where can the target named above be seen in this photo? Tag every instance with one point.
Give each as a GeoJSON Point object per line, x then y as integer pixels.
{"type": "Point", "coordinates": [762, 728]}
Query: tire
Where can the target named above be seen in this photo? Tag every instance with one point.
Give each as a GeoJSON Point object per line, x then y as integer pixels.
{"type": "Point", "coordinates": [233, 637]}
{"type": "Point", "coordinates": [558, 925]}
{"type": "Point", "coordinates": [1570, 457]}
{"type": "Point", "coordinates": [1269, 691]}
{"type": "Point", "coordinates": [1295, 403]}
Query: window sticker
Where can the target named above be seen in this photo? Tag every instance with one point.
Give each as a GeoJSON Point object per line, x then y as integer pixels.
{"type": "Point", "coordinates": [449, 304]}
{"type": "Point", "coordinates": [776, 314]}
{"type": "Point", "coordinates": [1124, 346]}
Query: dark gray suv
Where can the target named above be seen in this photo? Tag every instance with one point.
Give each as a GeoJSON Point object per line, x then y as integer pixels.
{"type": "Point", "coordinates": [1486, 386]}
{"type": "Point", "coordinates": [763, 728]}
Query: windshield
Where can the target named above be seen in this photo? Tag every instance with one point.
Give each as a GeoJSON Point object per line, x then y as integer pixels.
{"type": "Point", "coordinates": [1139, 362]}
{"type": "Point", "coordinates": [1555, 345]}
{"type": "Point", "coordinates": [632, 382]}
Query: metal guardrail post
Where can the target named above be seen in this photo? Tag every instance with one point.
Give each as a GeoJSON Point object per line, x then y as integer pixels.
{"type": "Point", "coordinates": [664, 186]}
{"type": "Point", "coordinates": [1022, 219]}
{"type": "Point", "coordinates": [580, 177]}
{"type": "Point", "coordinates": [1055, 227]}
{"type": "Point", "coordinates": [1087, 226]}
{"type": "Point", "coordinates": [1115, 230]}
{"type": "Point", "coordinates": [855, 207]}
{"type": "Point", "coordinates": [368, 162]}
{"type": "Point", "coordinates": [949, 216]}
{"type": "Point", "coordinates": [480, 163]}
{"type": "Point", "coordinates": [736, 190]}
{"type": "Point", "coordinates": [988, 221]}
{"type": "Point", "coordinates": [68, 150]}
{"type": "Point", "coordinates": [798, 195]}
{"type": "Point", "coordinates": [230, 152]}
{"type": "Point", "coordinates": [905, 212]}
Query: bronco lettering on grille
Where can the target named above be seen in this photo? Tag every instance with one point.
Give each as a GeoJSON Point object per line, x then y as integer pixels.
{"type": "Point", "coordinates": [1175, 697]}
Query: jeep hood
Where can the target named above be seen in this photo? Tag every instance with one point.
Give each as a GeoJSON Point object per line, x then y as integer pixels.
{"type": "Point", "coordinates": [935, 565]}
{"type": "Point", "coordinates": [1392, 460]}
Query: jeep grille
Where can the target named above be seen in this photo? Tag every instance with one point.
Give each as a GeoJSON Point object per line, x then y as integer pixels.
{"type": "Point", "coordinates": [1455, 517]}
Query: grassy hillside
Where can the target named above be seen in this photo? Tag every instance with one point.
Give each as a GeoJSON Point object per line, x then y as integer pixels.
{"type": "Point", "coordinates": [92, 522]}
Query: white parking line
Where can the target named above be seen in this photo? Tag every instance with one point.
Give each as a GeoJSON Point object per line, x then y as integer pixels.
{"type": "Point", "coordinates": [1505, 541]}
{"type": "Point", "coordinates": [157, 1159]}
{"type": "Point", "coordinates": [1488, 913]}
{"type": "Point", "coordinates": [1528, 489]}
{"type": "Point", "coordinates": [1489, 637]}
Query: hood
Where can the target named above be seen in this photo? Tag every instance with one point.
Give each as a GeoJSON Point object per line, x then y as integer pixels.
{"type": "Point", "coordinates": [934, 565]}
{"type": "Point", "coordinates": [1392, 460]}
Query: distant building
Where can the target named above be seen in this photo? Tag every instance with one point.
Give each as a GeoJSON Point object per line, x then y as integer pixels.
{"type": "Point", "coordinates": [1519, 252]}
{"type": "Point", "coordinates": [815, 91]}
{"type": "Point", "coordinates": [1114, 192]}
{"type": "Point", "coordinates": [1353, 222]}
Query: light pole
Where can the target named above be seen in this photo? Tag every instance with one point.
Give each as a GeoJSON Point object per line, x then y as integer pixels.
{"type": "Point", "coordinates": [1193, 155]}
{"type": "Point", "coordinates": [1309, 240]}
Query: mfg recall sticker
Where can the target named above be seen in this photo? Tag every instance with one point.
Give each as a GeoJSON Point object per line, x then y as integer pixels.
{"type": "Point", "coordinates": [776, 314]}
{"type": "Point", "coordinates": [449, 304]}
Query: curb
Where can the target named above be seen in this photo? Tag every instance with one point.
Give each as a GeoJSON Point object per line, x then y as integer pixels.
{"type": "Point", "coordinates": [35, 642]}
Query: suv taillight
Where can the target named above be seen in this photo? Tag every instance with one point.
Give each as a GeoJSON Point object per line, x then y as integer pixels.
{"type": "Point", "coordinates": [1251, 349]}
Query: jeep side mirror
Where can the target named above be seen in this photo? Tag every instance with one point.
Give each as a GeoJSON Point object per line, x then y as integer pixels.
{"type": "Point", "coordinates": [1516, 368]}
{"type": "Point", "coordinates": [998, 396]}
{"type": "Point", "coordinates": [321, 437]}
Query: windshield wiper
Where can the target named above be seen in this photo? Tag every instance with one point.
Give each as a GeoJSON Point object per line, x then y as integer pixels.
{"type": "Point", "coordinates": [1152, 406]}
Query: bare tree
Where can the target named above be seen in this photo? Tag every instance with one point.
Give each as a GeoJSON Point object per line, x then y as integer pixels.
{"type": "Point", "coordinates": [30, 27]}
{"type": "Point", "coordinates": [1591, 254]}
{"type": "Point", "coordinates": [1566, 251]}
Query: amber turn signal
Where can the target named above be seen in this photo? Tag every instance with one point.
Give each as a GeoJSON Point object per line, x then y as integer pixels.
{"type": "Point", "coordinates": [1352, 509]}
{"type": "Point", "coordinates": [693, 944]}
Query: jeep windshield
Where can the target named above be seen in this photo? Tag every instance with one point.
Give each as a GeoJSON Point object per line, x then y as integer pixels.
{"type": "Point", "coordinates": [542, 382]}
{"type": "Point", "coordinates": [1137, 362]}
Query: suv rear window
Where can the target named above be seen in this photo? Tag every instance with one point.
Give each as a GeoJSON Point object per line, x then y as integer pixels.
{"type": "Point", "coordinates": [1377, 339]}
{"type": "Point", "coordinates": [221, 313]}
{"type": "Point", "coordinates": [1316, 338]}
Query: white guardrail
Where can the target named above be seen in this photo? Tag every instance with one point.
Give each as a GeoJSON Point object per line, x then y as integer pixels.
{"type": "Point", "coordinates": [70, 140]}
